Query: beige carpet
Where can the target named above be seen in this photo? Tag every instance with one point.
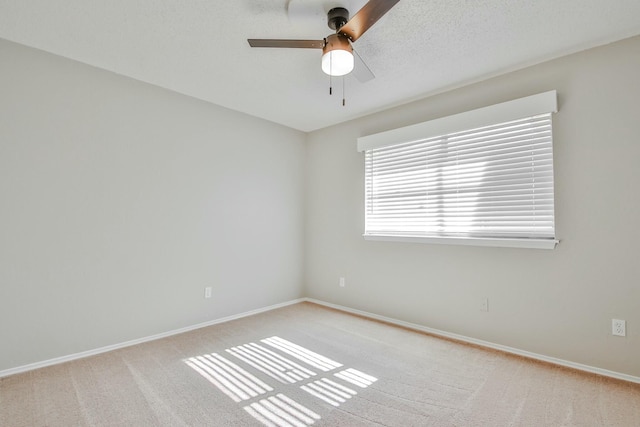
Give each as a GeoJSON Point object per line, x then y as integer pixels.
{"type": "Point", "coordinates": [304, 365]}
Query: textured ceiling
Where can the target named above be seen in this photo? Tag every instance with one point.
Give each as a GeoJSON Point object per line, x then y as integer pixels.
{"type": "Point", "coordinates": [199, 47]}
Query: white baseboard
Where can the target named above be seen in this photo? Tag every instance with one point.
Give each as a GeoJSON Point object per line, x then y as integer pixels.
{"type": "Point", "coordinates": [437, 332]}
{"type": "Point", "coordinates": [432, 331]}
{"type": "Point", "coordinates": [83, 354]}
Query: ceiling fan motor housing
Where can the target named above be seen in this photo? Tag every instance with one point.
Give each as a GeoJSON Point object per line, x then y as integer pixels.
{"type": "Point", "coordinates": [337, 17]}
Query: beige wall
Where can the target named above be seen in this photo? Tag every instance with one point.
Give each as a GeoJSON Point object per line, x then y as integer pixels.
{"type": "Point", "coordinates": [556, 303]}
{"type": "Point", "coordinates": [120, 202]}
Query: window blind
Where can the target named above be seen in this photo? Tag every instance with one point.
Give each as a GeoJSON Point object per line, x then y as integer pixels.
{"type": "Point", "coordinates": [492, 181]}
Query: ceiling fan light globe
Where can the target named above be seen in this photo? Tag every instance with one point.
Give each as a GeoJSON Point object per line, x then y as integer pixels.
{"type": "Point", "coordinates": [337, 62]}
{"type": "Point", "coordinates": [337, 55]}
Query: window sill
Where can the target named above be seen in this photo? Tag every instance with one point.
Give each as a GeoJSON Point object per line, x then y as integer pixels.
{"type": "Point", "coordinates": [470, 241]}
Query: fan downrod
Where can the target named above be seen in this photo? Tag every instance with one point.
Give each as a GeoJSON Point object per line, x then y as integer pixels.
{"type": "Point", "coordinates": [337, 17]}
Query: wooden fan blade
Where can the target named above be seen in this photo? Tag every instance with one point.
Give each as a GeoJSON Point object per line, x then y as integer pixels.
{"type": "Point", "coordinates": [311, 44]}
{"type": "Point", "coordinates": [366, 17]}
{"type": "Point", "coordinates": [361, 71]}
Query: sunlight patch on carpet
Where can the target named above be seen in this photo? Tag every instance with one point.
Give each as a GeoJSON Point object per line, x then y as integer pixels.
{"type": "Point", "coordinates": [356, 377]}
{"type": "Point", "coordinates": [314, 359]}
{"type": "Point", "coordinates": [270, 363]}
{"type": "Point", "coordinates": [332, 393]}
{"type": "Point", "coordinates": [231, 379]}
{"type": "Point", "coordinates": [269, 406]}
{"type": "Point", "coordinates": [280, 411]}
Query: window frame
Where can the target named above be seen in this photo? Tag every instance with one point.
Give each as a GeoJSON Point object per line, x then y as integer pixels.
{"type": "Point", "coordinates": [543, 103]}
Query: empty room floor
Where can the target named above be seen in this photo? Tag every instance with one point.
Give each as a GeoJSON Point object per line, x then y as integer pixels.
{"type": "Point", "coordinates": [305, 364]}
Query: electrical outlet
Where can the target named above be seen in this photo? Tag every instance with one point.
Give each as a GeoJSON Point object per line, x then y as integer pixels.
{"type": "Point", "coordinates": [207, 292]}
{"type": "Point", "coordinates": [618, 327]}
{"type": "Point", "coordinates": [342, 282]}
{"type": "Point", "coordinates": [484, 305]}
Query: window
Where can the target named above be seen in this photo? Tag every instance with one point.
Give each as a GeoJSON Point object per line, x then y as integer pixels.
{"type": "Point", "coordinates": [483, 177]}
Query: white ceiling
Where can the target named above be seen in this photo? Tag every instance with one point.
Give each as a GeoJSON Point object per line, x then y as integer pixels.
{"type": "Point", "coordinates": [199, 47]}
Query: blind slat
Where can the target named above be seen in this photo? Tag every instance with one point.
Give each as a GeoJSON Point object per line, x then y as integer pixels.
{"type": "Point", "coordinates": [495, 181]}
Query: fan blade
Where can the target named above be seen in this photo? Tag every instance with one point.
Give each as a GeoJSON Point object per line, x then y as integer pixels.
{"type": "Point", "coordinates": [311, 44]}
{"type": "Point", "coordinates": [366, 17]}
{"type": "Point", "coordinates": [360, 70]}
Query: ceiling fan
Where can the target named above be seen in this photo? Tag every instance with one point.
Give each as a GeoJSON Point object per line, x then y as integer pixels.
{"type": "Point", "coordinates": [337, 52]}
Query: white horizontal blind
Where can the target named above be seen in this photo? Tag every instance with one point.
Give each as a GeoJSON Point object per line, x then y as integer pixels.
{"type": "Point", "coordinates": [490, 182]}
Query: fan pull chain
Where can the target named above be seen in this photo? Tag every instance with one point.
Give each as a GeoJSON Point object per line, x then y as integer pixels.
{"type": "Point", "coordinates": [330, 74]}
{"type": "Point", "coordinates": [344, 97]}
{"type": "Point", "coordinates": [344, 102]}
